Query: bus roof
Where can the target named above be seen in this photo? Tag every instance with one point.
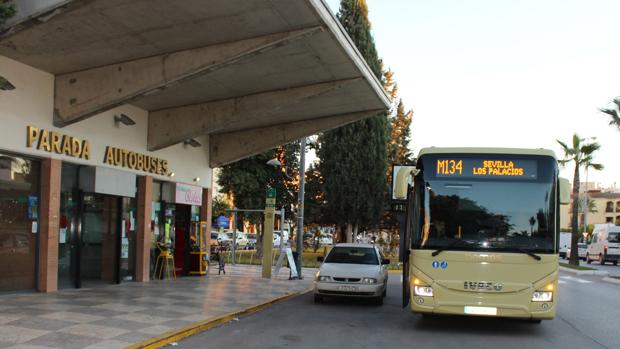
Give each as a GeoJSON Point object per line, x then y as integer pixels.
{"type": "Point", "coordinates": [513, 151]}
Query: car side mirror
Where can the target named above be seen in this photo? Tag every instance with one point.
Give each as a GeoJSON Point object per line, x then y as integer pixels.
{"type": "Point", "coordinates": [385, 261]}
{"type": "Point", "coordinates": [320, 258]}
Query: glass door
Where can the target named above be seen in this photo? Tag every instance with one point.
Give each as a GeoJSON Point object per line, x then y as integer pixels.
{"type": "Point", "coordinates": [68, 229]}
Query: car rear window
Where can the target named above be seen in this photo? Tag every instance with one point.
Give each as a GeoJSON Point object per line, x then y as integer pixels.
{"type": "Point", "coordinates": [352, 255]}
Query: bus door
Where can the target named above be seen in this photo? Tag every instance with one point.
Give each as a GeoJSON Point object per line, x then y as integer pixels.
{"type": "Point", "coordinates": [405, 240]}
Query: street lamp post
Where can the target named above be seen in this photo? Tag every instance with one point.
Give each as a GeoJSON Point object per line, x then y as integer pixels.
{"type": "Point", "coordinates": [300, 201]}
{"type": "Point", "coordinates": [300, 208]}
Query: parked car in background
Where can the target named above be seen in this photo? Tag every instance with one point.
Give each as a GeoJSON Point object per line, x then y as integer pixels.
{"type": "Point", "coordinates": [565, 239]}
{"type": "Point", "coordinates": [252, 239]}
{"type": "Point", "coordinates": [582, 248]}
{"type": "Point", "coordinates": [242, 240]}
{"type": "Point", "coordinates": [276, 239]}
{"type": "Point", "coordinates": [326, 239]}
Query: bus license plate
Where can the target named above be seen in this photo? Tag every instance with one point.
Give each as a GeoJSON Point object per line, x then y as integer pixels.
{"type": "Point", "coordinates": [480, 310]}
{"type": "Point", "coordinates": [348, 288]}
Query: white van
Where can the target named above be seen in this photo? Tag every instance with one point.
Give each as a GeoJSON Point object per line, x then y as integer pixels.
{"type": "Point", "coordinates": [604, 246]}
{"type": "Point", "coordinates": [565, 239]}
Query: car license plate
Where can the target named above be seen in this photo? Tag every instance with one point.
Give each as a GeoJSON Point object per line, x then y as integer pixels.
{"type": "Point", "coordinates": [348, 288]}
{"type": "Point", "coordinates": [480, 310]}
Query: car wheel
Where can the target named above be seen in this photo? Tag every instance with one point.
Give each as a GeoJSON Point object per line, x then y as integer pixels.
{"type": "Point", "coordinates": [602, 259]}
{"type": "Point", "coordinates": [588, 260]}
{"type": "Point", "coordinates": [384, 294]}
{"type": "Point", "coordinates": [615, 262]}
{"type": "Point", "coordinates": [379, 300]}
{"type": "Point", "coordinates": [318, 298]}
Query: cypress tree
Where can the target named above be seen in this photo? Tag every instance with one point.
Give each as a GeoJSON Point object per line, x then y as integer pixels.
{"type": "Point", "coordinates": [354, 157]}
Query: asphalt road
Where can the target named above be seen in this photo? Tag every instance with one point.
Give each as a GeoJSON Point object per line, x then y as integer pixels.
{"type": "Point", "coordinates": [588, 317]}
{"type": "Point", "coordinates": [608, 266]}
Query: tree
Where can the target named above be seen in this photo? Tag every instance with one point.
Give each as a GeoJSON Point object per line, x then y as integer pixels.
{"type": "Point", "coordinates": [581, 154]}
{"type": "Point", "coordinates": [247, 180]}
{"type": "Point", "coordinates": [7, 10]}
{"type": "Point", "coordinates": [353, 158]}
{"type": "Point", "coordinates": [219, 207]}
{"type": "Point", "coordinates": [400, 136]}
{"type": "Point", "coordinates": [613, 113]}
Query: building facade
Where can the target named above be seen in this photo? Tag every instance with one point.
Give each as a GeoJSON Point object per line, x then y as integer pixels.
{"type": "Point", "coordinates": [114, 113]}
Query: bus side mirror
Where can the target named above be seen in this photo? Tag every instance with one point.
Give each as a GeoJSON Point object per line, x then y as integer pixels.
{"type": "Point", "coordinates": [564, 191]}
{"type": "Point", "coordinates": [400, 177]}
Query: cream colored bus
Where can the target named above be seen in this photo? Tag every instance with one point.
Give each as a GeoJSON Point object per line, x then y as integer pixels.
{"type": "Point", "coordinates": [482, 232]}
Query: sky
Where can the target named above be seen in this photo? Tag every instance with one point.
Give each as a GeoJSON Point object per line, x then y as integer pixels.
{"type": "Point", "coordinates": [509, 73]}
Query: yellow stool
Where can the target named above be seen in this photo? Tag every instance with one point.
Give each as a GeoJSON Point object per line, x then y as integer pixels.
{"type": "Point", "coordinates": [165, 261]}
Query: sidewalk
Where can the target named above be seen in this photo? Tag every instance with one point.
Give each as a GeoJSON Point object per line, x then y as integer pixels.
{"type": "Point", "coordinates": [116, 316]}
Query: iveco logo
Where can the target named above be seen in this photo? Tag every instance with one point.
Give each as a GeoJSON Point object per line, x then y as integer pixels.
{"type": "Point", "coordinates": [482, 286]}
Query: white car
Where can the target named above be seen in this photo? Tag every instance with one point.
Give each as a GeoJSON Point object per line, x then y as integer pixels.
{"type": "Point", "coordinates": [352, 270]}
{"type": "Point", "coordinates": [581, 251]}
{"type": "Point", "coordinates": [242, 240]}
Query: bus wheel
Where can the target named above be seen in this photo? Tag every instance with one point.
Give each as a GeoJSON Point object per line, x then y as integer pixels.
{"type": "Point", "coordinates": [535, 321]}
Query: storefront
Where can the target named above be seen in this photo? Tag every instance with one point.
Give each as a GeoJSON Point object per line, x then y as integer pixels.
{"type": "Point", "coordinates": [94, 170]}
{"type": "Point", "coordinates": [19, 201]}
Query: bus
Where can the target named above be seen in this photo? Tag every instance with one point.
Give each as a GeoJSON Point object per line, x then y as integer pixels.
{"type": "Point", "coordinates": [481, 232]}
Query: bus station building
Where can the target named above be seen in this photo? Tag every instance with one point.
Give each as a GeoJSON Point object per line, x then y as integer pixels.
{"type": "Point", "coordinates": [115, 112]}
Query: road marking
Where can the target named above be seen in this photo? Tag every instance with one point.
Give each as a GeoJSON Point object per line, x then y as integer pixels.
{"type": "Point", "coordinates": [570, 278]}
{"type": "Point", "coordinates": [561, 282]}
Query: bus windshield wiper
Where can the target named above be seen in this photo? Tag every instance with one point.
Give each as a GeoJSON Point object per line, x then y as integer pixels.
{"type": "Point", "coordinates": [528, 252]}
{"type": "Point", "coordinates": [452, 243]}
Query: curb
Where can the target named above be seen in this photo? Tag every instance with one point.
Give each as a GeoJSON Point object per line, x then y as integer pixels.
{"type": "Point", "coordinates": [190, 330]}
{"type": "Point", "coordinates": [585, 272]}
{"type": "Point", "coordinates": [611, 280]}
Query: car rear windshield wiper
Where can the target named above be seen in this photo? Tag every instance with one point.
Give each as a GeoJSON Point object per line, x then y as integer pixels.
{"type": "Point", "coordinates": [452, 243]}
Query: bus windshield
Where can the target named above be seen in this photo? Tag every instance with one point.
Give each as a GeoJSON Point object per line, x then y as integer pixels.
{"type": "Point", "coordinates": [485, 213]}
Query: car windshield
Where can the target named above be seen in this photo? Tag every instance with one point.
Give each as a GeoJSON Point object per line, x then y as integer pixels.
{"type": "Point", "coordinates": [614, 237]}
{"type": "Point", "coordinates": [352, 255]}
{"type": "Point", "coordinates": [462, 213]}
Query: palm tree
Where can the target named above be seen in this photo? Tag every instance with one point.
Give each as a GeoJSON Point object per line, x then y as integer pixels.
{"type": "Point", "coordinates": [613, 113]}
{"type": "Point", "coordinates": [581, 154]}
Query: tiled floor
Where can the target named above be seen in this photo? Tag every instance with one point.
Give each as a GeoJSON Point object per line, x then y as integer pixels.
{"type": "Point", "coordinates": [115, 316]}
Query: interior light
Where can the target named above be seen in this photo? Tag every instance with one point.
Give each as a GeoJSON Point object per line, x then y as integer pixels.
{"type": "Point", "coordinates": [192, 142]}
{"type": "Point", "coordinates": [124, 119]}
{"type": "Point", "coordinates": [171, 174]}
{"type": "Point", "coordinates": [196, 179]}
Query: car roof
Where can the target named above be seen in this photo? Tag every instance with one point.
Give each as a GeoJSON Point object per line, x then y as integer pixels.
{"type": "Point", "coordinates": [355, 245]}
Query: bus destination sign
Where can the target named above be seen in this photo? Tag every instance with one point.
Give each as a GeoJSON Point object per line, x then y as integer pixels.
{"type": "Point", "coordinates": [487, 168]}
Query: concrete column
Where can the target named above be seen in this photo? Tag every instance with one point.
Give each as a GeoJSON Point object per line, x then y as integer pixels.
{"type": "Point", "coordinates": [143, 230]}
{"type": "Point", "coordinates": [205, 211]}
{"type": "Point", "coordinates": [49, 225]}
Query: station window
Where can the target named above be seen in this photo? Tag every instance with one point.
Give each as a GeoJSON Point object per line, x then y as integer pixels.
{"type": "Point", "coordinates": [617, 206]}
{"type": "Point", "coordinates": [609, 219]}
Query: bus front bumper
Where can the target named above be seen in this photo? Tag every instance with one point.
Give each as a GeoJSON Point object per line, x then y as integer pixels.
{"type": "Point", "coordinates": [534, 310]}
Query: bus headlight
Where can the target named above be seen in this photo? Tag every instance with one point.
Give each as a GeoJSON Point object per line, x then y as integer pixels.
{"type": "Point", "coordinates": [424, 291]}
{"type": "Point", "coordinates": [542, 296]}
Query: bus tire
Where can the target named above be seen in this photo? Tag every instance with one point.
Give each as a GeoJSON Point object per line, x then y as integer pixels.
{"type": "Point", "coordinates": [535, 321]}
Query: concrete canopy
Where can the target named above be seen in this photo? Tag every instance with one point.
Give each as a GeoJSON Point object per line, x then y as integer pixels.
{"type": "Point", "coordinates": [230, 69]}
